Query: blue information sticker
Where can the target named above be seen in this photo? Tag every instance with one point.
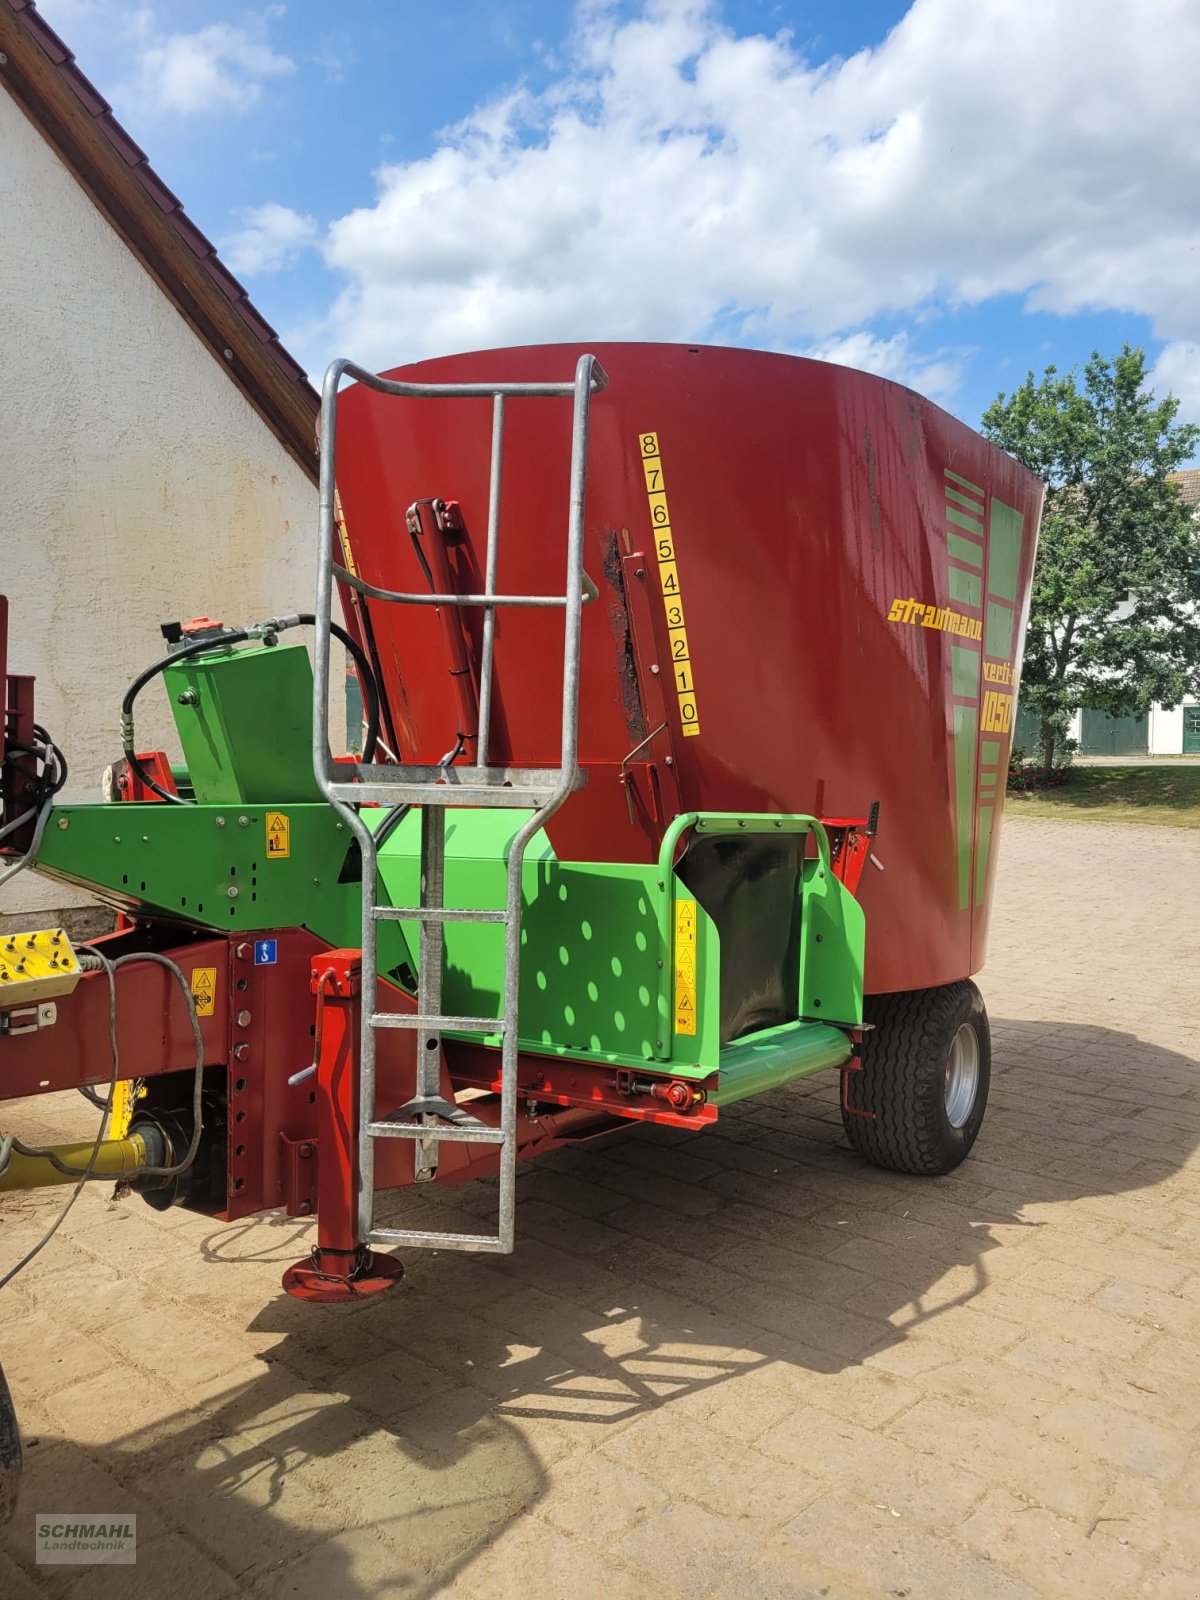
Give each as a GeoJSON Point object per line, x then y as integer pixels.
{"type": "Point", "coordinates": [265, 952]}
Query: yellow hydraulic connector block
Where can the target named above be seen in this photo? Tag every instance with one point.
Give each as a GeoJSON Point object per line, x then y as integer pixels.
{"type": "Point", "coordinates": [125, 1096]}
{"type": "Point", "coordinates": [115, 1156]}
{"type": "Point", "coordinates": [36, 966]}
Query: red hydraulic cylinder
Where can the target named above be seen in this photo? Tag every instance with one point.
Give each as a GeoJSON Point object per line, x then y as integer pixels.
{"type": "Point", "coordinates": [340, 1268]}
{"type": "Point", "coordinates": [441, 578]}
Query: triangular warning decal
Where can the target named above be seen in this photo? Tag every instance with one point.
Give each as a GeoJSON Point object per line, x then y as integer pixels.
{"type": "Point", "coordinates": [279, 835]}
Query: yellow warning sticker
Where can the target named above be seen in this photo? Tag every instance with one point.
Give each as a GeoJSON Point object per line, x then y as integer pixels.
{"type": "Point", "coordinates": [279, 836]}
{"type": "Point", "coordinates": [204, 990]}
{"type": "Point", "coordinates": [685, 966]}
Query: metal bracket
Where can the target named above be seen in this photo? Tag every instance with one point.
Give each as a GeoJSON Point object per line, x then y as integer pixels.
{"type": "Point", "coordinates": [298, 1163]}
{"type": "Point", "coordinates": [44, 1016]}
{"type": "Point", "coordinates": [854, 1064]}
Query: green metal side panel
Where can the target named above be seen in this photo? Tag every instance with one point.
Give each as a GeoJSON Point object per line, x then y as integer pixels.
{"type": "Point", "coordinates": [966, 588]}
{"type": "Point", "coordinates": [1004, 551]}
{"type": "Point", "coordinates": [964, 549]}
{"type": "Point", "coordinates": [596, 946]}
{"type": "Point", "coordinates": [964, 672]}
{"type": "Point", "coordinates": [619, 962]}
{"type": "Point", "coordinates": [247, 735]}
{"type": "Point", "coordinates": [986, 815]}
{"type": "Point", "coordinates": [833, 934]}
{"type": "Point", "coordinates": [184, 861]}
{"type": "Point", "coordinates": [964, 794]}
{"type": "Point", "coordinates": [998, 630]}
{"type": "Point", "coordinates": [832, 924]}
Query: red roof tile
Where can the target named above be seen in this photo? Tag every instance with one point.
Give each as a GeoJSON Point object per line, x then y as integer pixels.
{"type": "Point", "coordinates": [1188, 483]}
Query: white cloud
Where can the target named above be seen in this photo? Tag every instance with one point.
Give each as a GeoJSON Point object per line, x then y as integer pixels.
{"type": "Point", "coordinates": [1177, 372]}
{"type": "Point", "coordinates": [270, 238]}
{"type": "Point", "coordinates": [935, 375]}
{"type": "Point", "coordinates": [220, 68]}
{"type": "Point", "coordinates": [679, 182]}
{"type": "Point", "coordinates": [65, 15]}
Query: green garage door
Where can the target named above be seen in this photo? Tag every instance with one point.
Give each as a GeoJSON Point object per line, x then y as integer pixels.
{"type": "Point", "coordinates": [1027, 734]}
{"type": "Point", "coordinates": [1102, 735]}
{"type": "Point", "coordinates": [1191, 730]}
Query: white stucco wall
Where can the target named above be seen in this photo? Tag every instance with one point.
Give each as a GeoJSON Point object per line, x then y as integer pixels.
{"type": "Point", "coordinates": [1166, 731]}
{"type": "Point", "coordinates": [138, 485]}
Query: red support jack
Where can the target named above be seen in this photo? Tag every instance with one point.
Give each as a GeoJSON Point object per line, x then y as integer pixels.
{"type": "Point", "coordinates": [340, 1268]}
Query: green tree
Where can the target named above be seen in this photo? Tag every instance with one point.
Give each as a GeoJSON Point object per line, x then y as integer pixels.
{"type": "Point", "coordinates": [1110, 624]}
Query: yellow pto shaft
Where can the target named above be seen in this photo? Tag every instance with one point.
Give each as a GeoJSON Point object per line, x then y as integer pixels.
{"type": "Point", "coordinates": [114, 1157]}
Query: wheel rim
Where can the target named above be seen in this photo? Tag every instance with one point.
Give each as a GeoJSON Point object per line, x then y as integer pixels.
{"type": "Point", "coordinates": [962, 1075]}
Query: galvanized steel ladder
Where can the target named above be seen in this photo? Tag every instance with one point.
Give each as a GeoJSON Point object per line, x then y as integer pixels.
{"type": "Point", "coordinates": [428, 1119]}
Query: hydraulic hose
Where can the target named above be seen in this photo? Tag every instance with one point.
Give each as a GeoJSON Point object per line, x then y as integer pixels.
{"type": "Point", "coordinates": [238, 636]}
{"type": "Point", "coordinates": [369, 685]}
{"type": "Point", "coordinates": [53, 777]}
{"type": "Point", "coordinates": [136, 687]}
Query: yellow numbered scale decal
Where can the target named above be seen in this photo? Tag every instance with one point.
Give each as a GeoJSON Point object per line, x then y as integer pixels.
{"type": "Point", "coordinates": [668, 577]}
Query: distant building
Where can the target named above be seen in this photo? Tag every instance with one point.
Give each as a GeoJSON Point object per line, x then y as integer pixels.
{"type": "Point", "coordinates": [1162, 731]}
{"type": "Point", "coordinates": [158, 455]}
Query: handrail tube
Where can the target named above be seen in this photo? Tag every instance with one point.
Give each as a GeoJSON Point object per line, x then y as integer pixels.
{"type": "Point", "coordinates": [589, 378]}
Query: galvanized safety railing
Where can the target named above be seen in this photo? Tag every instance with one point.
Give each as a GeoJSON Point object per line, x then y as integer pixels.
{"type": "Point", "coordinates": [428, 1119]}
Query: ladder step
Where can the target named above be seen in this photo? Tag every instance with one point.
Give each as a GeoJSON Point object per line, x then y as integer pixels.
{"type": "Point", "coordinates": [435, 914]}
{"type": "Point", "coordinates": [445, 1132]}
{"type": "Point", "coordinates": [405, 1019]}
{"type": "Point", "coordinates": [484, 1242]}
{"type": "Point", "coordinates": [426, 792]}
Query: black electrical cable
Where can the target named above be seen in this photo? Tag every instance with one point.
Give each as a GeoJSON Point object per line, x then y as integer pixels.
{"type": "Point", "coordinates": [88, 956]}
{"type": "Point", "coordinates": [237, 636]}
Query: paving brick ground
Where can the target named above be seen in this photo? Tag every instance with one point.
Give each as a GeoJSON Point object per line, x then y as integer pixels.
{"type": "Point", "coordinates": [738, 1364]}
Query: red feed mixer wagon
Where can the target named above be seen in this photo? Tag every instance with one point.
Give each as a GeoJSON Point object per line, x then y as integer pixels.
{"type": "Point", "coordinates": [688, 681]}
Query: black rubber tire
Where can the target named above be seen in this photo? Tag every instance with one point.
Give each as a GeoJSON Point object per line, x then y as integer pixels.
{"type": "Point", "coordinates": [902, 1082]}
{"type": "Point", "coordinates": [10, 1452]}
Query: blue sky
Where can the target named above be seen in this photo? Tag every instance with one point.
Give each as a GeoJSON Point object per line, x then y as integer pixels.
{"type": "Point", "coordinates": [950, 192]}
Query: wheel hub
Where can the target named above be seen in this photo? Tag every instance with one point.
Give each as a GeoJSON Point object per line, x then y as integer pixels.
{"type": "Point", "coordinates": [962, 1075]}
